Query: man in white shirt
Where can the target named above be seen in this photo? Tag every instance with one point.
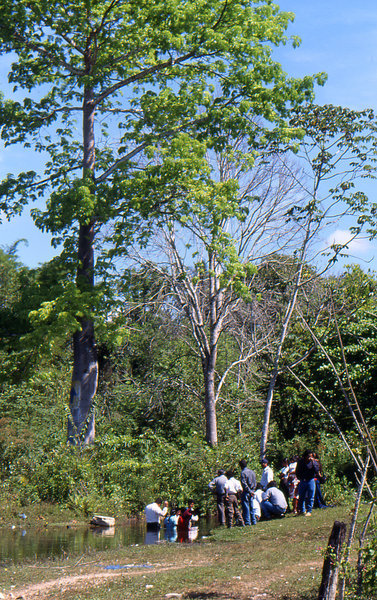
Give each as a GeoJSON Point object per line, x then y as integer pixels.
{"type": "Point", "coordinates": [267, 474]}
{"type": "Point", "coordinates": [153, 513]}
{"type": "Point", "coordinates": [233, 488]}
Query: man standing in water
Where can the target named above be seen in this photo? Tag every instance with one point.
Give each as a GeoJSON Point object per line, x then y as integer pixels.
{"type": "Point", "coordinates": [154, 512]}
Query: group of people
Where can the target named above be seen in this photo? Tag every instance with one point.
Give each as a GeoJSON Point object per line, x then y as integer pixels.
{"type": "Point", "coordinates": [179, 524]}
{"type": "Point", "coordinates": [264, 499]}
{"type": "Point", "coordinates": [299, 482]}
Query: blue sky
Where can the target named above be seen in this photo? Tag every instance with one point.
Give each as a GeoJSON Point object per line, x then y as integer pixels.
{"type": "Point", "coordinates": [338, 37]}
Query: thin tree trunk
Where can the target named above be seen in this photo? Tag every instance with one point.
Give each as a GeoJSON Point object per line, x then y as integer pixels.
{"type": "Point", "coordinates": [239, 423]}
{"type": "Point", "coordinates": [210, 403]}
{"type": "Point", "coordinates": [284, 332]}
{"type": "Point", "coordinates": [81, 425]}
{"type": "Point", "coordinates": [359, 589]}
{"type": "Point", "coordinates": [275, 370]}
{"type": "Point", "coordinates": [353, 525]}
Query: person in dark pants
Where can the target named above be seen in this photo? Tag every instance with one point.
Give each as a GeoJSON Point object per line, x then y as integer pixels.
{"type": "Point", "coordinates": [217, 486]}
{"type": "Point", "coordinates": [274, 503]}
{"type": "Point", "coordinates": [233, 488]}
{"type": "Point", "coordinates": [319, 501]}
{"type": "Point", "coordinates": [249, 484]}
{"type": "Point", "coordinates": [307, 471]}
{"type": "Point", "coordinates": [154, 513]}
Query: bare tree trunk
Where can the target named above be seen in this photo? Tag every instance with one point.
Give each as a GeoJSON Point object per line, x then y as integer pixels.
{"type": "Point", "coordinates": [330, 571]}
{"type": "Point", "coordinates": [81, 425]}
{"type": "Point", "coordinates": [359, 589]}
{"type": "Point", "coordinates": [239, 423]}
{"type": "Point", "coordinates": [210, 403]}
{"type": "Point", "coordinates": [297, 283]}
{"type": "Point", "coordinates": [353, 525]}
{"type": "Point", "coordinates": [278, 354]}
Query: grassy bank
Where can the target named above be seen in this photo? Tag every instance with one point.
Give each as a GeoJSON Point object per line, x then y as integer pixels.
{"type": "Point", "coordinates": [280, 559]}
{"type": "Point", "coordinates": [38, 514]}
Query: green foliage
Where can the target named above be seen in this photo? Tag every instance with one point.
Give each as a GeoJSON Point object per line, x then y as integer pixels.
{"type": "Point", "coordinates": [26, 341]}
{"type": "Point", "coordinates": [31, 427]}
{"type": "Point", "coordinates": [162, 90]}
{"type": "Point", "coordinates": [369, 569]}
{"type": "Point", "coordinates": [351, 300]}
{"type": "Point", "coordinates": [337, 464]}
{"type": "Point", "coordinates": [149, 436]}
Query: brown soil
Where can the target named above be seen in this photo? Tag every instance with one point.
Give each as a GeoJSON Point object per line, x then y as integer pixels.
{"type": "Point", "coordinates": [42, 590]}
{"type": "Point", "coordinates": [250, 586]}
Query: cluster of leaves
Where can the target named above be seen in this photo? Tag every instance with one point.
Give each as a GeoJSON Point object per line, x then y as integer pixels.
{"type": "Point", "coordinates": [369, 573]}
{"type": "Point", "coordinates": [352, 299]}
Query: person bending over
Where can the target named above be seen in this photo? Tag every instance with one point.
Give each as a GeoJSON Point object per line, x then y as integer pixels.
{"type": "Point", "coordinates": [274, 503]}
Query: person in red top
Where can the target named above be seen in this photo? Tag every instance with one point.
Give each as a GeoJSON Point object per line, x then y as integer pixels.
{"type": "Point", "coordinates": [188, 515]}
{"type": "Point", "coordinates": [186, 518]}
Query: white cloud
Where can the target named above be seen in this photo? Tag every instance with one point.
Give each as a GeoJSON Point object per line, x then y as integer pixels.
{"type": "Point", "coordinates": [353, 245]}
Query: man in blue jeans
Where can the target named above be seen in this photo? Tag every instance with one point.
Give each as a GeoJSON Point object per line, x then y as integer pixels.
{"type": "Point", "coordinates": [306, 471]}
{"type": "Point", "coordinates": [274, 503]}
{"type": "Point", "coordinates": [249, 483]}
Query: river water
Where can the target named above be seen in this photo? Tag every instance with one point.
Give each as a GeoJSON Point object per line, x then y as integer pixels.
{"type": "Point", "coordinates": [23, 544]}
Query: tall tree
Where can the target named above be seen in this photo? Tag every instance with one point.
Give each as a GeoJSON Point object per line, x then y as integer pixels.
{"type": "Point", "coordinates": [337, 152]}
{"type": "Point", "coordinates": [101, 85]}
{"type": "Point", "coordinates": [225, 219]}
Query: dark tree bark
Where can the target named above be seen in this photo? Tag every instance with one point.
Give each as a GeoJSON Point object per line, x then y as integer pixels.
{"type": "Point", "coordinates": [81, 425]}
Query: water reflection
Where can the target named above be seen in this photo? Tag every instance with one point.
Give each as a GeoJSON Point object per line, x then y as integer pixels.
{"type": "Point", "coordinates": [104, 531]}
{"type": "Point", "coordinates": [22, 544]}
{"type": "Point", "coordinates": [172, 534]}
{"type": "Point", "coordinates": [152, 537]}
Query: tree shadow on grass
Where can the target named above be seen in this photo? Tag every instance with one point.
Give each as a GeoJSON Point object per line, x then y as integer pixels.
{"type": "Point", "coordinates": [227, 596]}
{"type": "Point", "coordinates": [208, 596]}
{"type": "Point", "coordinates": [308, 596]}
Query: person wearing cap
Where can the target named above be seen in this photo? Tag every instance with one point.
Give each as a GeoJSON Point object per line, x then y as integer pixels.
{"type": "Point", "coordinates": [217, 486]}
{"type": "Point", "coordinates": [267, 474]}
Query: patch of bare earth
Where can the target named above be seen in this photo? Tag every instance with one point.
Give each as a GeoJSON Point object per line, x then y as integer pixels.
{"type": "Point", "coordinates": [76, 582]}
{"type": "Point", "coordinates": [250, 586]}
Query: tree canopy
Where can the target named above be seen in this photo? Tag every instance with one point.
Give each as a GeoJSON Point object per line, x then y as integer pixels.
{"type": "Point", "coordinates": [102, 85]}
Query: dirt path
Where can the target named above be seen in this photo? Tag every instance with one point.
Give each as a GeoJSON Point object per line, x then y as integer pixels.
{"type": "Point", "coordinates": [251, 586]}
{"type": "Point", "coordinates": [72, 582]}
